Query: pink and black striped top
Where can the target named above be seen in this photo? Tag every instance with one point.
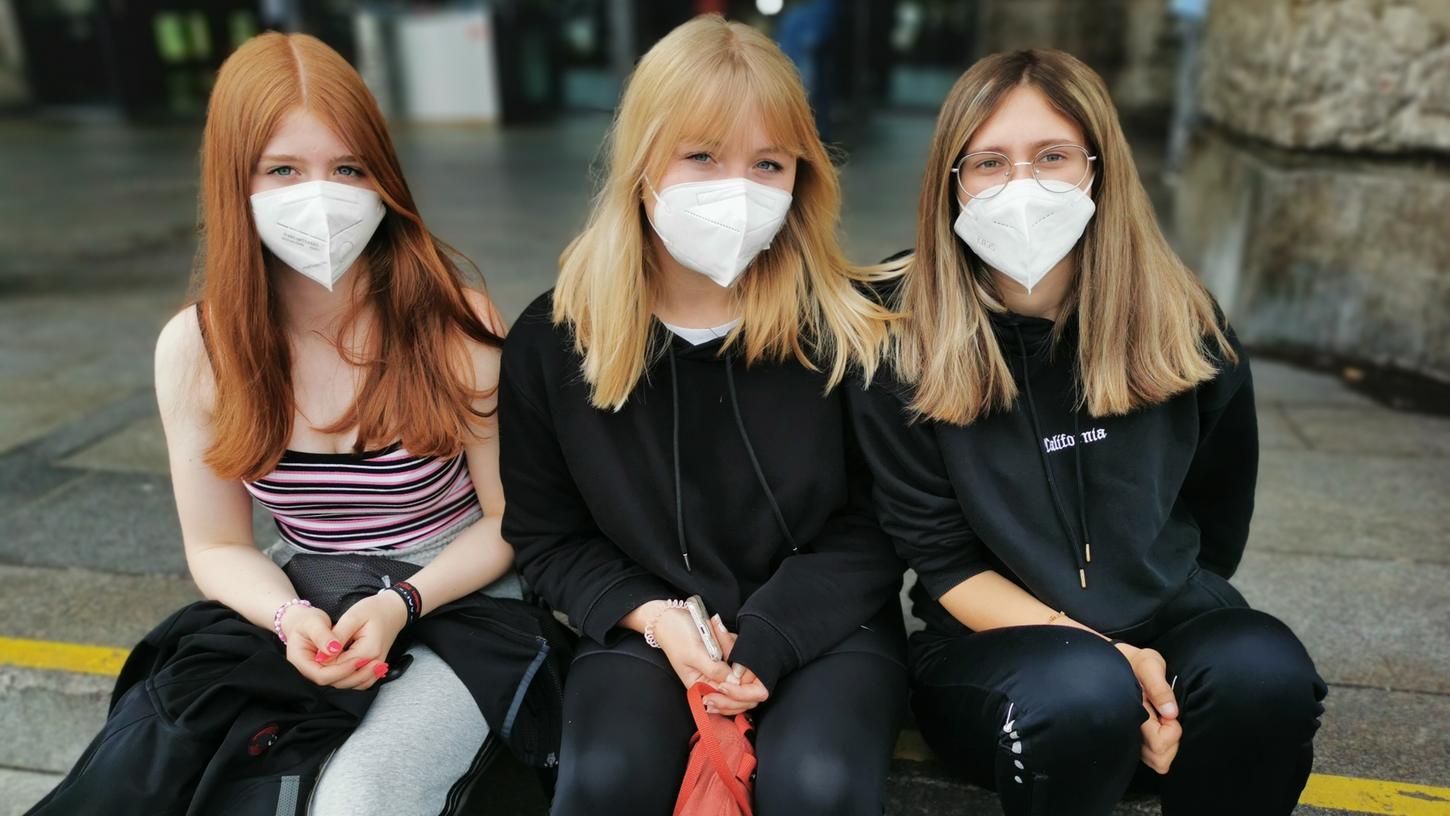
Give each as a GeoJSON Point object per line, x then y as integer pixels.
{"type": "Point", "coordinates": [383, 499]}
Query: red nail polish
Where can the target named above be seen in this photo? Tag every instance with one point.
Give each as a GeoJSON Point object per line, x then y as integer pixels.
{"type": "Point", "coordinates": [334, 647]}
{"type": "Point", "coordinates": [321, 657]}
{"type": "Point", "coordinates": [380, 669]}
{"type": "Point", "coordinates": [361, 663]}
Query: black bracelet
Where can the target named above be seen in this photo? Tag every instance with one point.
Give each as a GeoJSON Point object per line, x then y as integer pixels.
{"type": "Point", "coordinates": [411, 598]}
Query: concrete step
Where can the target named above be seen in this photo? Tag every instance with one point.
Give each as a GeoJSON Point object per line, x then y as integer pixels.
{"type": "Point", "coordinates": [50, 716]}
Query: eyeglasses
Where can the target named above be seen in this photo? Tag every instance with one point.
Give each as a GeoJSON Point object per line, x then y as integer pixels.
{"type": "Point", "coordinates": [1059, 169]}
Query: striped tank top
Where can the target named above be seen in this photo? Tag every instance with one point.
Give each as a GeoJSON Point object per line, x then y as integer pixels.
{"type": "Point", "coordinates": [384, 499]}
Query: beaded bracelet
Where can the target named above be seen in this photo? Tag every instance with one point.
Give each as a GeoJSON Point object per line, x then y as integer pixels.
{"type": "Point", "coordinates": [649, 629]}
{"type": "Point", "coordinates": [411, 598]}
{"type": "Point", "coordinates": [282, 610]}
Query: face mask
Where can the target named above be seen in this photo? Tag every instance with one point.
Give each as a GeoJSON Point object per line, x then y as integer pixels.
{"type": "Point", "coordinates": [1026, 229]}
{"type": "Point", "coordinates": [717, 228]}
{"type": "Point", "coordinates": [318, 227]}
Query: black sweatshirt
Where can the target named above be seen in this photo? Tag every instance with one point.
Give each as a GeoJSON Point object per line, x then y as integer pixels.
{"type": "Point", "coordinates": [599, 528]}
{"type": "Point", "coordinates": [1155, 495]}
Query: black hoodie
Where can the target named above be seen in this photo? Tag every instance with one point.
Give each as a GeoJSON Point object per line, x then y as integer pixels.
{"type": "Point", "coordinates": [1109, 519]}
{"type": "Point", "coordinates": [741, 484]}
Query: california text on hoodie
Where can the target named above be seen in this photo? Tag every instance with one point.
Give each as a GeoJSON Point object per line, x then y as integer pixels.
{"type": "Point", "coordinates": [1111, 519]}
{"type": "Point", "coordinates": [742, 484]}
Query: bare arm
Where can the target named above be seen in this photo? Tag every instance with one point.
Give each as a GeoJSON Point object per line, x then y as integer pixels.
{"type": "Point", "coordinates": [215, 513]}
{"type": "Point", "coordinates": [479, 555]}
{"type": "Point", "coordinates": [989, 601]}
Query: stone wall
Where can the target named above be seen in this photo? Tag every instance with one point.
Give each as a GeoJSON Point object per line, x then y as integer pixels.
{"type": "Point", "coordinates": [1356, 75]}
{"type": "Point", "coordinates": [1126, 41]}
{"type": "Point", "coordinates": [1316, 205]}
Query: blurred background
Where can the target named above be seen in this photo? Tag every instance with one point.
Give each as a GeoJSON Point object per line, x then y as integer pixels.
{"type": "Point", "coordinates": [1297, 151]}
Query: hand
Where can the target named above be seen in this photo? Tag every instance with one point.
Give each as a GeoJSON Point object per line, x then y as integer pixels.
{"type": "Point", "coordinates": [1161, 732]}
{"type": "Point", "coordinates": [368, 629]}
{"type": "Point", "coordinates": [678, 639]}
{"type": "Point", "coordinates": [742, 690]}
{"type": "Point", "coordinates": [1160, 741]}
{"type": "Point", "coordinates": [312, 645]}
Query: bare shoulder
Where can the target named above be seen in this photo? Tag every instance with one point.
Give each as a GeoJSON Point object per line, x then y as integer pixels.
{"type": "Point", "coordinates": [182, 372]}
{"type": "Point", "coordinates": [485, 358]}
{"type": "Point", "coordinates": [485, 311]}
{"type": "Point", "coordinates": [180, 345]}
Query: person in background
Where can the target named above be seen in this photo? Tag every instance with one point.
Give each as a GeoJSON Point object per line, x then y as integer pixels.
{"type": "Point", "coordinates": [1189, 18]}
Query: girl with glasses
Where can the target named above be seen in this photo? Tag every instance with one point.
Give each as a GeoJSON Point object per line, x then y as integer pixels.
{"type": "Point", "coordinates": [1067, 459]}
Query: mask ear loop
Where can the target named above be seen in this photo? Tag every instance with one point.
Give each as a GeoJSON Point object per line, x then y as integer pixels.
{"type": "Point", "coordinates": [658, 201]}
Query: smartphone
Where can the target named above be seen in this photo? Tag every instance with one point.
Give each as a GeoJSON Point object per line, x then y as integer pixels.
{"type": "Point", "coordinates": [696, 605]}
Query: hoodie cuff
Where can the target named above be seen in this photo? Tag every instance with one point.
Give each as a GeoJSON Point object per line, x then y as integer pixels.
{"type": "Point", "coordinates": [600, 621]}
{"type": "Point", "coordinates": [762, 648]}
{"type": "Point", "coordinates": [940, 579]}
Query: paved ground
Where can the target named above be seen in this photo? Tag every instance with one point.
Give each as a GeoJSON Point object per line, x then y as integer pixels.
{"type": "Point", "coordinates": [96, 226]}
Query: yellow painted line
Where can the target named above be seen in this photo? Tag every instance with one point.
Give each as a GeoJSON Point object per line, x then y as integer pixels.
{"type": "Point", "coordinates": [71, 657]}
{"type": "Point", "coordinates": [1344, 793]}
{"type": "Point", "coordinates": [1375, 796]}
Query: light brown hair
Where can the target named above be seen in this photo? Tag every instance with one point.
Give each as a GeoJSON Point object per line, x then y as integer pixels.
{"type": "Point", "coordinates": [1146, 324]}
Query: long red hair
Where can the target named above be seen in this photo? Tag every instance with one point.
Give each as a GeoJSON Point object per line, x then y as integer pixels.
{"type": "Point", "coordinates": [419, 386]}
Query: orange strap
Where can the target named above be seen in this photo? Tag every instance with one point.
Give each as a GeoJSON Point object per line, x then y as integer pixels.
{"type": "Point", "coordinates": [706, 735]}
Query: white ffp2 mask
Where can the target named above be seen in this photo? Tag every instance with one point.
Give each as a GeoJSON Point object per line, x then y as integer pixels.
{"type": "Point", "coordinates": [318, 227]}
{"type": "Point", "coordinates": [1024, 230]}
{"type": "Point", "coordinates": [717, 228]}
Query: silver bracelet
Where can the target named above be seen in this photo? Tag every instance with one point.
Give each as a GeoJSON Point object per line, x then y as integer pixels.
{"type": "Point", "coordinates": [649, 629]}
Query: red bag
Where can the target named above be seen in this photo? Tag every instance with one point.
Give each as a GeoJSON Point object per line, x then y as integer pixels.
{"type": "Point", "coordinates": [720, 776]}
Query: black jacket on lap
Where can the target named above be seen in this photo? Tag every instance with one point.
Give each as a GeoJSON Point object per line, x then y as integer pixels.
{"type": "Point", "coordinates": [1161, 496]}
{"type": "Point", "coordinates": [742, 484]}
{"type": "Point", "coordinates": [209, 719]}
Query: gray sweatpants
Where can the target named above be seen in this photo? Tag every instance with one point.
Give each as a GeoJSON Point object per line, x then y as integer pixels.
{"type": "Point", "coordinates": [422, 732]}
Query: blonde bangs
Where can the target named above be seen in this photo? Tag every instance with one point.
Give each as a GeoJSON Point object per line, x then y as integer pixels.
{"type": "Point", "coordinates": [699, 85]}
{"type": "Point", "coordinates": [711, 114]}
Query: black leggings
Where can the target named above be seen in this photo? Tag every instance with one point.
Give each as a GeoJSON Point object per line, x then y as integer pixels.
{"type": "Point", "coordinates": [1049, 716]}
{"type": "Point", "coordinates": [824, 739]}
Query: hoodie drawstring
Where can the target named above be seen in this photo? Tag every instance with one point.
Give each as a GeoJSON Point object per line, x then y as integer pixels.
{"type": "Point", "coordinates": [755, 462]}
{"type": "Point", "coordinates": [1087, 544]}
{"type": "Point", "coordinates": [675, 457]}
{"type": "Point", "coordinates": [749, 450]}
{"type": "Point", "coordinates": [1077, 552]}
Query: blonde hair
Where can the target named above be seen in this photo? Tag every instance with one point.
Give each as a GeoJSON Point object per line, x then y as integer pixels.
{"type": "Point", "coordinates": [1144, 320]}
{"type": "Point", "coordinates": [799, 298]}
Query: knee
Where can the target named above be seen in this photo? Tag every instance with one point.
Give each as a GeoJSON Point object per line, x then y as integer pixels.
{"type": "Point", "coordinates": [1081, 699]}
{"type": "Point", "coordinates": [347, 789]}
{"type": "Point", "coordinates": [821, 781]}
{"type": "Point", "coordinates": [597, 779]}
{"type": "Point", "coordinates": [1254, 673]}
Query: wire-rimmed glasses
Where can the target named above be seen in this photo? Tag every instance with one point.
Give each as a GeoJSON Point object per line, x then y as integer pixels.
{"type": "Point", "coordinates": [1058, 168]}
